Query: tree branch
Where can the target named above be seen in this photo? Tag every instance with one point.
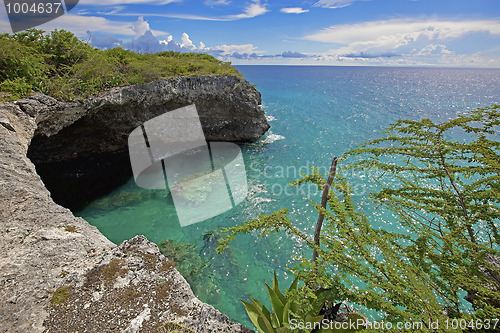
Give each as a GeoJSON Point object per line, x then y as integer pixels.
{"type": "Point", "coordinates": [324, 198]}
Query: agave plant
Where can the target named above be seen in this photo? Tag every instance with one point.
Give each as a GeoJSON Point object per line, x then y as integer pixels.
{"type": "Point", "coordinates": [284, 308]}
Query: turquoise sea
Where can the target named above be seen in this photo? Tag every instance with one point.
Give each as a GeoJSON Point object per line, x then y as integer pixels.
{"type": "Point", "coordinates": [315, 113]}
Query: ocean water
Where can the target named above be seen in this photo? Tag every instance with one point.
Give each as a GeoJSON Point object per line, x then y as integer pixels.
{"type": "Point", "coordinates": [315, 113]}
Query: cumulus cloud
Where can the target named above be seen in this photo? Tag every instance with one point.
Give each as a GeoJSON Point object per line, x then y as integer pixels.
{"type": "Point", "coordinates": [79, 25]}
{"type": "Point", "coordinates": [149, 43]}
{"type": "Point", "coordinates": [430, 50]}
{"type": "Point", "coordinates": [186, 42]}
{"type": "Point", "coordinates": [146, 43]}
{"type": "Point", "coordinates": [168, 40]}
{"type": "Point", "coordinates": [407, 42]}
{"type": "Point", "coordinates": [140, 26]}
{"type": "Point", "coordinates": [293, 10]}
{"type": "Point", "coordinates": [106, 42]}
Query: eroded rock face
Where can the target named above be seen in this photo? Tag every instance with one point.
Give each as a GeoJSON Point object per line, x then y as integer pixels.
{"type": "Point", "coordinates": [36, 251]}
{"type": "Point", "coordinates": [80, 150]}
{"type": "Point", "coordinates": [48, 256]}
{"type": "Point", "coordinates": [133, 288]}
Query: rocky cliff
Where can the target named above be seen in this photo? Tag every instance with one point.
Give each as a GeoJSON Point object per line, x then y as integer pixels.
{"type": "Point", "coordinates": [58, 273]}
{"type": "Point", "coordinates": [80, 149]}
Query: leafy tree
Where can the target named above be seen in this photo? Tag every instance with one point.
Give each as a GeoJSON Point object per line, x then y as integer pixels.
{"type": "Point", "coordinates": [443, 183]}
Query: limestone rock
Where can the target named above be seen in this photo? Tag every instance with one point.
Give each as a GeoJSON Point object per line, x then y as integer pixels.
{"type": "Point", "coordinates": [139, 291]}
{"type": "Point", "coordinates": [36, 251]}
{"type": "Point", "coordinates": [49, 257]}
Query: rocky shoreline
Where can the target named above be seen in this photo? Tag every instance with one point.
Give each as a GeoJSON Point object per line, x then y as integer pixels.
{"type": "Point", "coordinates": [58, 273]}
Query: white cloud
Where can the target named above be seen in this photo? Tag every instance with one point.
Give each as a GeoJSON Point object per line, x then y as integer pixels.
{"type": "Point", "coordinates": [398, 35]}
{"type": "Point", "coordinates": [334, 3]}
{"type": "Point", "coordinates": [79, 25]}
{"type": "Point", "coordinates": [400, 31]}
{"type": "Point", "coordinates": [431, 50]}
{"type": "Point", "coordinates": [408, 42]}
{"type": "Point", "coordinates": [217, 2]}
{"type": "Point", "coordinates": [168, 40]}
{"type": "Point", "coordinates": [293, 10]}
{"type": "Point", "coordinates": [186, 42]}
{"type": "Point", "coordinates": [140, 26]}
{"type": "Point", "coordinates": [252, 10]}
{"type": "Point", "coordinates": [230, 49]}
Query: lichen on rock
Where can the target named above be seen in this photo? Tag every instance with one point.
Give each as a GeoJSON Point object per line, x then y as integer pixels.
{"type": "Point", "coordinates": [129, 291]}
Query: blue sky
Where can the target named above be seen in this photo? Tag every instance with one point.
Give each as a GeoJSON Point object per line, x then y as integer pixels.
{"type": "Point", "coordinates": [454, 33]}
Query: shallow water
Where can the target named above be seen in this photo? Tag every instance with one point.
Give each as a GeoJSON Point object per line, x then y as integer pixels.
{"type": "Point", "coordinates": [315, 113]}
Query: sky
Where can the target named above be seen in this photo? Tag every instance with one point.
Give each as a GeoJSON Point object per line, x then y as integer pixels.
{"type": "Point", "coordinates": [443, 33]}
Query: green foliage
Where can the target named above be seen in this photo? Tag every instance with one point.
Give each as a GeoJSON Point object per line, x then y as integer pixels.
{"type": "Point", "coordinates": [285, 316]}
{"type": "Point", "coordinates": [61, 295]}
{"type": "Point", "coordinates": [443, 182]}
{"type": "Point", "coordinates": [59, 64]}
{"type": "Point", "coordinates": [17, 87]}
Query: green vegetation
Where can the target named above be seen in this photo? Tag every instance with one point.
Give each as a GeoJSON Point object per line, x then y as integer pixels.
{"type": "Point", "coordinates": [62, 66]}
{"type": "Point", "coordinates": [70, 228]}
{"type": "Point", "coordinates": [61, 295]}
{"type": "Point", "coordinates": [285, 308]}
{"type": "Point", "coordinates": [442, 181]}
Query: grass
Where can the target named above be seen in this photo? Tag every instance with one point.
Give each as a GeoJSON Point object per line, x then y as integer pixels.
{"type": "Point", "coordinates": [60, 65]}
{"type": "Point", "coordinates": [61, 295]}
{"type": "Point", "coordinates": [70, 228]}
